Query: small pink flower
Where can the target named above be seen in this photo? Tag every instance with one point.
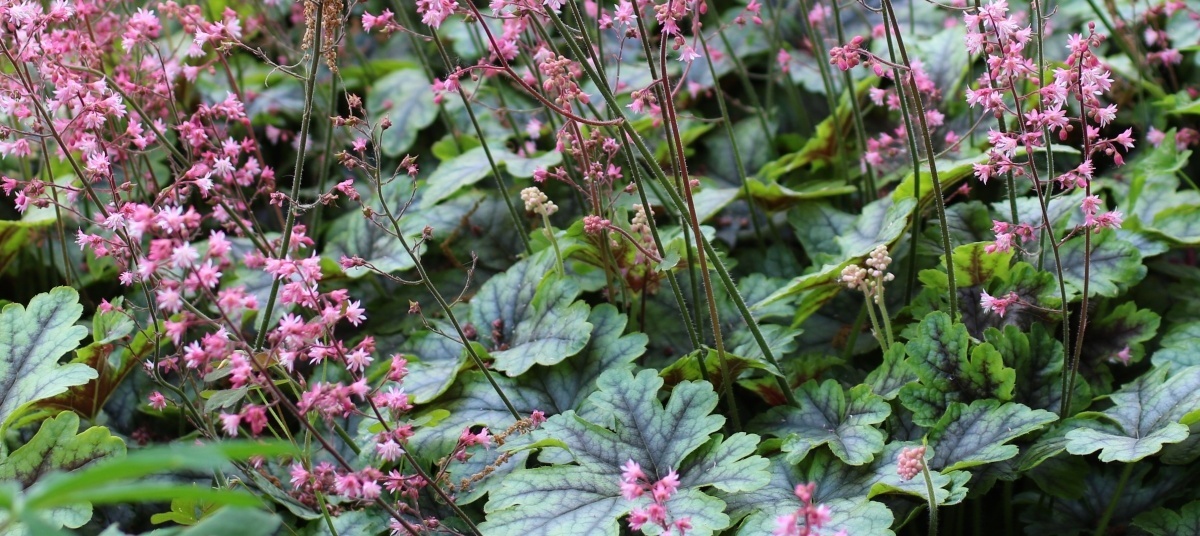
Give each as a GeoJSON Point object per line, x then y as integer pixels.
{"type": "Point", "coordinates": [158, 401]}
{"type": "Point", "coordinates": [998, 305]}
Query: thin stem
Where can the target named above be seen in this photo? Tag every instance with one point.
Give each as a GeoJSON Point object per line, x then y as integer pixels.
{"type": "Point", "coordinates": [310, 85]}
{"type": "Point", "coordinates": [933, 508]}
{"type": "Point", "coordinates": [938, 197]}
{"type": "Point", "coordinates": [1106, 517]}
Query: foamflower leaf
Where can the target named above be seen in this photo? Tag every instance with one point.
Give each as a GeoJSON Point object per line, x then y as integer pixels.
{"type": "Point", "coordinates": [532, 314]}
{"type": "Point", "coordinates": [1147, 413]}
{"type": "Point", "coordinates": [32, 339]}
{"type": "Point", "coordinates": [977, 434]}
{"type": "Point", "coordinates": [828, 415]}
{"type": "Point", "coordinates": [950, 370]}
{"type": "Point", "coordinates": [57, 447]}
{"type": "Point", "coordinates": [583, 496]}
{"type": "Point", "coordinates": [1164, 522]}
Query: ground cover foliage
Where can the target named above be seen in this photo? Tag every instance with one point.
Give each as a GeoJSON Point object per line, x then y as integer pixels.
{"type": "Point", "coordinates": [788, 267]}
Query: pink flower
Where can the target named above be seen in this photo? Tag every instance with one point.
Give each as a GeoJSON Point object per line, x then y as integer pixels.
{"type": "Point", "coordinates": [998, 305]}
{"type": "Point", "coordinates": [229, 423]}
{"type": "Point", "coordinates": [158, 401]}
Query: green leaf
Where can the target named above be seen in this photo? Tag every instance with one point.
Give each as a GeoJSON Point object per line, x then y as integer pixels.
{"type": "Point", "coordinates": [892, 374]}
{"type": "Point", "coordinates": [1146, 415]}
{"type": "Point", "coordinates": [404, 97]}
{"type": "Point", "coordinates": [687, 367]}
{"type": "Point", "coordinates": [1037, 358]}
{"type": "Point", "coordinates": [1118, 336]}
{"type": "Point", "coordinates": [114, 361]}
{"type": "Point", "coordinates": [235, 520]}
{"type": "Point", "coordinates": [473, 166]}
{"type": "Point", "coordinates": [1180, 347]}
{"type": "Point", "coordinates": [584, 497]}
{"type": "Point", "coordinates": [31, 341]}
{"type": "Point", "coordinates": [534, 314]}
{"type": "Point", "coordinates": [968, 436]}
{"type": "Point", "coordinates": [1116, 265]}
{"type": "Point", "coordinates": [56, 447]}
{"type": "Point", "coordinates": [1164, 522]}
{"type": "Point", "coordinates": [828, 415]}
{"type": "Point", "coordinates": [842, 488]}
{"type": "Point", "coordinates": [974, 266]}
{"type": "Point", "coordinates": [939, 356]}
{"type": "Point", "coordinates": [356, 235]}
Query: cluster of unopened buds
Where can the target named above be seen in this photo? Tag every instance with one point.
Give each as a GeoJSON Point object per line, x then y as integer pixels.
{"type": "Point", "coordinates": [635, 484]}
{"type": "Point", "coordinates": [870, 280]}
{"type": "Point", "coordinates": [910, 461]}
{"type": "Point", "coordinates": [537, 202]}
{"type": "Point", "coordinates": [806, 520]}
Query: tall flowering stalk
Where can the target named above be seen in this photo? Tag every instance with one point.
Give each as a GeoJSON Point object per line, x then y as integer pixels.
{"type": "Point", "coordinates": [1002, 39]}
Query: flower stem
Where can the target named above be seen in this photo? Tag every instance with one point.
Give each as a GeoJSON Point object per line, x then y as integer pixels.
{"type": "Point", "coordinates": [1102, 526]}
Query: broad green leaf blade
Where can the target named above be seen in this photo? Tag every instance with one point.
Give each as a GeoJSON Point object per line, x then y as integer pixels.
{"type": "Point", "coordinates": [728, 465]}
{"type": "Point", "coordinates": [841, 487]}
{"type": "Point", "coordinates": [939, 356]}
{"type": "Point", "coordinates": [1115, 265]}
{"type": "Point", "coordinates": [31, 341]}
{"type": "Point", "coordinates": [405, 98]}
{"type": "Point", "coordinates": [569, 383]}
{"type": "Point", "coordinates": [355, 235]}
{"type": "Point", "coordinates": [555, 329]}
{"type": "Point", "coordinates": [1179, 348]}
{"type": "Point", "coordinates": [973, 435]}
{"type": "Point", "coordinates": [1037, 358]}
{"type": "Point", "coordinates": [890, 376]}
{"type": "Point", "coordinates": [1146, 415]}
{"type": "Point", "coordinates": [828, 415]}
{"type": "Point", "coordinates": [1119, 335]}
{"type": "Point", "coordinates": [583, 496]}
{"type": "Point", "coordinates": [56, 447]}
{"type": "Point", "coordinates": [532, 314]}
{"type": "Point", "coordinates": [974, 266]}
{"type": "Point", "coordinates": [473, 166]}
{"type": "Point", "coordinates": [1164, 522]}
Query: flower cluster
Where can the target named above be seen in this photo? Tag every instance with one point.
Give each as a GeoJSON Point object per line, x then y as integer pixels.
{"type": "Point", "coordinates": [635, 484]}
{"type": "Point", "coordinates": [910, 462]}
{"type": "Point", "coordinates": [870, 280]}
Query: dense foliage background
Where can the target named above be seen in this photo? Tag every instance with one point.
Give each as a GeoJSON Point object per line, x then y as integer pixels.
{"type": "Point", "coordinates": [787, 267]}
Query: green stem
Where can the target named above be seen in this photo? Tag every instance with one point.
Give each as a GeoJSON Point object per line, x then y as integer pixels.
{"type": "Point", "coordinates": [933, 508]}
{"type": "Point", "coordinates": [1102, 526]}
{"type": "Point", "coordinates": [310, 85]}
{"type": "Point", "coordinates": [548, 230]}
{"type": "Point", "coordinates": [930, 154]}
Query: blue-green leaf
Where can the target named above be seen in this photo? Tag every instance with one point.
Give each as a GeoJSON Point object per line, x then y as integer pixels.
{"type": "Point", "coordinates": [31, 341]}
{"type": "Point", "coordinates": [1147, 413]}
{"type": "Point", "coordinates": [968, 436]}
{"type": "Point", "coordinates": [828, 415]}
{"type": "Point", "coordinates": [583, 496]}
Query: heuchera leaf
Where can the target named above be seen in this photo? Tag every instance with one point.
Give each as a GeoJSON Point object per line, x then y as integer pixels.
{"type": "Point", "coordinates": [405, 98]}
{"type": "Point", "coordinates": [552, 390]}
{"type": "Point", "coordinates": [968, 436]}
{"type": "Point", "coordinates": [473, 166]}
{"type": "Point", "coordinates": [56, 447]}
{"type": "Point", "coordinates": [1037, 358]}
{"type": "Point", "coordinates": [584, 497]}
{"type": "Point", "coordinates": [1146, 415]}
{"type": "Point", "coordinates": [532, 314]}
{"type": "Point", "coordinates": [31, 341]}
{"type": "Point", "coordinates": [1164, 522]}
{"type": "Point", "coordinates": [939, 356]}
{"type": "Point", "coordinates": [1180, 347]}
{"type": "Point", "coordinates": [1115, 265]}
{"type": "Point", "coordinates": [828, 415]}
{"type": "Point", "coordinates": [1118, 336]}
{"type": "Point", "coordinates": [840, 487]}
{"type": "Point", "coordinates": [975, 266]}
{"type": "Point", "coordinates": [887, 379]}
